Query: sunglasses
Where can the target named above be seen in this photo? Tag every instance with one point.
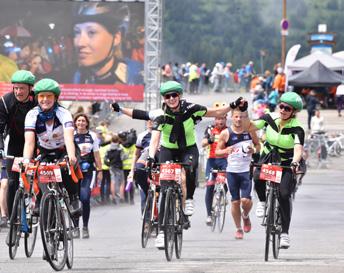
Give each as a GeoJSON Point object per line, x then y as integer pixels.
{"type": "Point", "coordinates": [172, 95]}
{"type": "Point", "coordinates": [286, 108]}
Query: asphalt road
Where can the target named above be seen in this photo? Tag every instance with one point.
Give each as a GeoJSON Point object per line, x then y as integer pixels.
{"type": "Point", "coordinates": [114, 246]}
{"type": "Point", "coordinates": [316, 239]}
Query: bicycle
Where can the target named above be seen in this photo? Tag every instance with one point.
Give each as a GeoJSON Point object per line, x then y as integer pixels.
{"type": "Point", "coordinates": [272, 174]}
{"type": "Point", "coordinates": [150, 217]}
{"type": "Point", "coordinates": [174, 219]}
{"type": "Point", "coordinates": [23, 220]}
{"type": "Point", "coordinates": [319, 146]}
{"type": "Point", "coordinates": [218, 212]}
{"type": "Point", "coordinates": [56, 222]}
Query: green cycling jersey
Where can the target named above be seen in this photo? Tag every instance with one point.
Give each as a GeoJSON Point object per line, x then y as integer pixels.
{"type": "Point", "coordinates": [178, 128]}
{"type": "Point", "coordinates": [284, 138]}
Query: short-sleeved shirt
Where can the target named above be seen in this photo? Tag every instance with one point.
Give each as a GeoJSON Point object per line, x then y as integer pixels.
{"type": "Point", "coordinates": [49, 137]}
{"type": "Point", "coordinates": [284, 139]}
{"type": "Point", "coordinates": [185, 120]}
{"type": "Point", "coordinates": [87, 144]}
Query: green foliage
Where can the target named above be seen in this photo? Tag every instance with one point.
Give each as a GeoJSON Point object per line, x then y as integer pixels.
{"type": "Point", "coordinates": [236, 30]}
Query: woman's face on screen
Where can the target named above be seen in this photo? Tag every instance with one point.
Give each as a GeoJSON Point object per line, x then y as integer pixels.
{"type": "Point", "coordinates": [93, 42]}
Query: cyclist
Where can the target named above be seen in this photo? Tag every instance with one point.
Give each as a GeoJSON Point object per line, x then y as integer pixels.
{"type": "Point", "coordinates": [13, 109]}
{"type": "Point", "coordinates": [52, 126]}
{"type": "Point", "coordinates": [90, 163]}
{"type": "Point", "coordinates": [139, 162]}
{"type": "Point", "coordinates": [178, 140]}
{"type": "Point", "coordinates": [284, 132]}
{"type": "Point", "coordinates": [210, 140]}
{"type": "Point", "coordinates": [239, 145]}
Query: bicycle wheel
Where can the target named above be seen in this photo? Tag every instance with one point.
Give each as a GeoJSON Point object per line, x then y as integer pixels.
{"type": "Point", "coordinates": [179, 228]}
{"type": "Point", "coordinates": [53, 231]}
{"type": "Point", "coordinates": [33, 222]}
{"type": "Point", "coordinates": [16, 223]}
{"type": "Point", "coordinates": [214, 211]}
{"type": "Point", "coordinates": [30, 237]}
{"type": "Point", "coordinates": [221, 210]}
{"type": "Point", "coordinates": [269, 223]}
{"type": "Point", "coordinates": [70, 242]}
{"type": "Point", "coordinates": [276, 235]}
{"type": "Point", "coordinates": [146, 221]}
{"type": "Point", "coordinates": [169, 228]}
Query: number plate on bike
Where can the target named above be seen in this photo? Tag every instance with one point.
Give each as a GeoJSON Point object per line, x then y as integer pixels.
{"type": "Point", "coordinates": [49, 174]}
{"type": "Point", "coordinates": [170, 172]}
{"type": "Point", "coordinates": [271, 173]}
{"type": "Point", "coordinates": [221, 178]}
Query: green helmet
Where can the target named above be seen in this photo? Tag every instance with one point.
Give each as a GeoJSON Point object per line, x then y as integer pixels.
{"type": "Point", "coordinates": [292, 99]}
{"type": "Point", "coordinates": [23, 76]}
{"type": "Point", "coordinates": [47, 85]}
{"type": "Point", "coordinates": [171, 86]}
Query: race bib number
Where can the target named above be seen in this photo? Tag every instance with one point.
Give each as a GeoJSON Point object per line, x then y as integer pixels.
{"type": "Point", "coordinates": [271, 173]}
{"type": "Point", "coordinates": [221, 178]}
{"type": "Point", "coordinates": [171, 172]}
{"type": "Point", "coordinates": [49, 174]}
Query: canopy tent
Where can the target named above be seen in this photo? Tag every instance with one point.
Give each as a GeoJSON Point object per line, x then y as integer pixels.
{"type": "Point", "coordinates": [318, 75]}
{"type": "Point", "coordinates": [339, 54]}
{"type": "Point", "coordinates": [331, 62]}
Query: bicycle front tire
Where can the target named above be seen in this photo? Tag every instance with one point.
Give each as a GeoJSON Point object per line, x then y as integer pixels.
{"type": "Point", "coordinates": [222, 210]}
{"type": "Point", "coordinates": [169, 224]}
{"type": "Point", "coordinates": [53, 231]}
{"type": "Point", "coordinates": [276, 236]}
{"type": "Point", "coordinates": [147, 220]}
{"type": "Point", "coordinates": [31, 236]}
{"type": "Point", "coordinates": [179, 228]}
{"type": "Point", "coordinates": [269, 223]}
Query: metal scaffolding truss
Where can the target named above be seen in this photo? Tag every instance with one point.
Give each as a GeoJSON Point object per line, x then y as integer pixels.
{"type": "Point", "coordinates": [153, 31]}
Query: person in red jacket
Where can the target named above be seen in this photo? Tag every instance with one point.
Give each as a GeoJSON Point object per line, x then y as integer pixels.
{"type": "Point", "coordinates": [211, 136]}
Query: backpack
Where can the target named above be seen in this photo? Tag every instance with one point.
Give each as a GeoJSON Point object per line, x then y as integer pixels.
{"type": "Point", "coordinates": [113, 158]}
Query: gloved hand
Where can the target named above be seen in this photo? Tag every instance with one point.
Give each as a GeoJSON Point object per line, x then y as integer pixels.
{"type": "Point", "coordinates": [150, 162]}
{"type": "Point", "coordinates": [244, 106]}
{"type": "Point", "coordinates": [211, 139]}
{"type": "Point", "coordinates": [294, 166]}
{"type": "Point", "coordinates": [236, 103]}
{"type": "Point", "coordinates": [115, 107]}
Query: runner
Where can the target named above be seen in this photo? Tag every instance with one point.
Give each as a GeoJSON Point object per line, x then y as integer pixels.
{"type": "Point", "coordinates": [239, 145]}
{"type": "Point", "coordinates": [90, 163]}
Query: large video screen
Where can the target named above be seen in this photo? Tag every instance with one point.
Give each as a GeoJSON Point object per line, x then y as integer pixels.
{"type": "Point", "coordinates": [95, 50]}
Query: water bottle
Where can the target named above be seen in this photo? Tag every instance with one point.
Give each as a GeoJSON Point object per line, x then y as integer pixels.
{"type": "Point", "coordinates": [129, 184]}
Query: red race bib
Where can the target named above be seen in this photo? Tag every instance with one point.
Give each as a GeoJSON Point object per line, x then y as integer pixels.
{"type": "Point", "coordinates": [221, 178]}
{"type": "Point", "coordinates": [49, 174]}
{"type": "Point", "coordinates": [271, 173]}
{"type": "Point", "coordinates": [171, 171]}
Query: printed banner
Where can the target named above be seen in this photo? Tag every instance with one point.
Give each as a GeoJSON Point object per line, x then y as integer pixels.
{"type": "Point", "coordinates": [95, 50]}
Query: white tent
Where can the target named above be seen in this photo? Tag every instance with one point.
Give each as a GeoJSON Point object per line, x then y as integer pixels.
{"type": "Point", "coordinates": [331, 62]}
{"type": "Point", "coordinates": [339, 54]}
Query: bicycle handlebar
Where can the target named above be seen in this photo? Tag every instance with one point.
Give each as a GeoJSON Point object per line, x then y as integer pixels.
{"type": "Point", "coordinates": [260, 164]}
